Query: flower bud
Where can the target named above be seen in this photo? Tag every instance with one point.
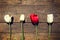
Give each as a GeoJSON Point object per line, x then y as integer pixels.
{"type": "Point", "coordinates": [50, 18]}
{"type": "Point", "coordinates": [22, 17]}
{"type": "Point", "coordinates": [7, 18]}
{"type": "Point", "coordinates": [34, 18]}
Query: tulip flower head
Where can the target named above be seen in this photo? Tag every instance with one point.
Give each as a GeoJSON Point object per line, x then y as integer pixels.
{"type": "Point", "coordinates": [34, 18]}
{"type": "Point", "coordinates": [50, 18]}
{"type": "Point", "coordinates": [7, 18]}
{"type": "Point", "coordinates": [22, 17]}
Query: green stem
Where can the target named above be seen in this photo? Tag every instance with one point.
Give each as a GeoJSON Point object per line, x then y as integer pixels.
{"type": "Point", "coordinates": [36, 32]}
{"type": "Point", "coordinates": [49, 32]}
{"type": "Point", "coordinates": [22, 28]}
{"type": "Point", "coordinates": [10, 30]}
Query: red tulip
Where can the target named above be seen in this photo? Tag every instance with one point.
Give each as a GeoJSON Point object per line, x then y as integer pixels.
{"type": "Point", "coordinates": [34, 18]}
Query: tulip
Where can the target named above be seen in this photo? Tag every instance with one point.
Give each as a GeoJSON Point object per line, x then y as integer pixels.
{"type": "Point", "coordinates": [8, 19]}
{"type": "Point", "coordinates": [50, 21]}
{"type": "Point", "coordinates": [50, 18]}
{"type": "Point", "coordinates": [34, 18]}
{"type": "Point", "coordinates": [22, 19]}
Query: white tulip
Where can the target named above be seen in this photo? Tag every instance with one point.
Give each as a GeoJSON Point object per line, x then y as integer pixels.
{"type": "Point", "coordinates": [7, 18]}
{"type": "Point", "coordinates": [50, 18]}
{"type": "Point", "coordinates": [22, 17]}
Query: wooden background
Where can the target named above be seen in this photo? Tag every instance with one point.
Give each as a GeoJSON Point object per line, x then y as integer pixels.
{"type": "Point", "coordinates": [40, 7]}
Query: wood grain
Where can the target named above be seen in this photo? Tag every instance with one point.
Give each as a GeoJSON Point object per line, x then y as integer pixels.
{"type": "Point", "coordinates": [41, 11]}
{"type": "Point", "coordinates": [30, 36]}
{"type": "Point", "coordinates": [39, 7]}
{"type": "Point", "coordinates": [26, 2]}
{"type": "Point", "coordinates": [29, 28]}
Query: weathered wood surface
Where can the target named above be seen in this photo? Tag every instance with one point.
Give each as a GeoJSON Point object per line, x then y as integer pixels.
{"type": "Point", "coordinates": [26, 2]}
{"type": "Point", "coordinates": [30, 36]}
{"type": "Point", "coordinates": [29, 28]}
{"type": "Point", "coordinates": [41, 11]}
{"type": "Point", "coordinates": [29, 31]}
{"type": "Point", "coordinates": [40, 7]}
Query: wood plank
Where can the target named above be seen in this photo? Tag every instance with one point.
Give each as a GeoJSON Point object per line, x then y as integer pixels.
{"type": "Point", "coordinates": [41, 11]}
{"type": "Point", "coordinates": [55, 28]}
{"type": "Point", "coordinates": [29, 28]}
{"type": "Point", "coordinates": [30, 36]}
{"type": "Point", "coordinates": [26, 2]}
